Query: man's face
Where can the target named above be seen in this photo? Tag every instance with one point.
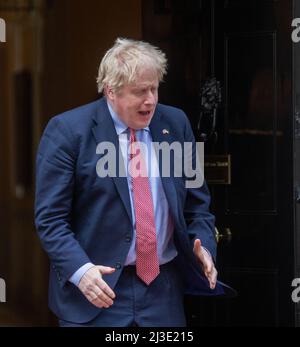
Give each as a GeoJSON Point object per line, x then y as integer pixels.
{"type": "Point", "coordinates": [135, 103]}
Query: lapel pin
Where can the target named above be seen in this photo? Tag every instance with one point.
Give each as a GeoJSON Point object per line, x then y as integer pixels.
{"type": "Point", "coordinates": [165, 132]}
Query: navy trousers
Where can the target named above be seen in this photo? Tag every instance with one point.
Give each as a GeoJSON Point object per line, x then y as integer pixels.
{"type": "Point", "coordinates": [158, 305]}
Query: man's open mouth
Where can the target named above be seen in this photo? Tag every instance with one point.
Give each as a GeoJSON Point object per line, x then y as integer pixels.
{"type": "Point", "coordinates": [144, 113]}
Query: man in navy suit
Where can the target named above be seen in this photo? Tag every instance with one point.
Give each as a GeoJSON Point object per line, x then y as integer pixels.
{"type": "Point", "coordinates": [123, 250]}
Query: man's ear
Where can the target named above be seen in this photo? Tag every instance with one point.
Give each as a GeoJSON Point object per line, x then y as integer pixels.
{"type": "Point", "coordinates": [109, 93]}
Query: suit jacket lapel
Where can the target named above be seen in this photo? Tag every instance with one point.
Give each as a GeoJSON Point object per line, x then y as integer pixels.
{"type": "Point", "coordinates": [104, 131]}
{"type": "Point", "coordinates": [161, 133]}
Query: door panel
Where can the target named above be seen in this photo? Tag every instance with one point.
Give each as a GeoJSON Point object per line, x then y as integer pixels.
{"type": "Point", "coordinates": [250, 74]}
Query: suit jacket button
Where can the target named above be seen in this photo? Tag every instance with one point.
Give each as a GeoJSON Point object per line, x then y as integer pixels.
{"type": "Point", "coordinates": [128, 239]}
{"type": "Point", "coordinates": [118, 266]}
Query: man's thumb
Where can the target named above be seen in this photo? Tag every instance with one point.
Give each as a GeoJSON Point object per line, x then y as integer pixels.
{"type": "Point", "coordinates": [197, 245]}
{"type": "Point", "coordinates": [106, 270]}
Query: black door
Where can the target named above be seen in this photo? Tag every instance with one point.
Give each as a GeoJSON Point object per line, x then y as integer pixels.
{"type": "Point", "coordinates": [247, 46]}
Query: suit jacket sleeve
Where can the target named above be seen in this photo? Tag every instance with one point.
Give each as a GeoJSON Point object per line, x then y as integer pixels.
{"type": "Point", "coordinates": [55, 171]}
{"type": "Point", "coordinates": [200, 222]}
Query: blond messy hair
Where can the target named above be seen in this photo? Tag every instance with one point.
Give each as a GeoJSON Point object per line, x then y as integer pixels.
{"type": "Point", "coordinates": [123, 62]}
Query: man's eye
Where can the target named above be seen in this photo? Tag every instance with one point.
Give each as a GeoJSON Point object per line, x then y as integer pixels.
{"type": "Point", "coordinates": [140, 92]}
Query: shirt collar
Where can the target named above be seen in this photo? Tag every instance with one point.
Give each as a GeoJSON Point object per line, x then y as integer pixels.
{"type": "Point", "coordinates": [120, 126]}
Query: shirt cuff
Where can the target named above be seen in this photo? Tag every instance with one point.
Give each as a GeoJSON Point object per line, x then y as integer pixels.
{"type": "Point", "coordinates": [76, 277]}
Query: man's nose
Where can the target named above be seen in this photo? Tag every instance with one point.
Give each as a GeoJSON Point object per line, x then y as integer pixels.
{"type": "Point", "coordinates": [151, 98]}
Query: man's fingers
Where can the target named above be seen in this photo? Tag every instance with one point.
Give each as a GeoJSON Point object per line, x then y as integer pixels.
{"type": "Point", "coordinates": [94, 299]}
{"type": "Point", "coordinates": [105, 289]}
{"type": "Point", "coordinates": [104, 298]}
{"type": "Point", "coordinates": [208, 268]}
{"type": "Point", "coordinates": [105, 270]}
{"type": "Point", "coordinates": [98, 298]}
{"type": "Point", "coordinates": [99, 303]}
{"type": "Point", "coordinates": [212, 278]}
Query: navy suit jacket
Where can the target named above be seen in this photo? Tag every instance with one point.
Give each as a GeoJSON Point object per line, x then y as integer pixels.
{"type": "Point", "coordinates": [82, 218]}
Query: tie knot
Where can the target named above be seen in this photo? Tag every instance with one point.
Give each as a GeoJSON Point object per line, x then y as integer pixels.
{"type": "Point", "coordinates": [132, 135]}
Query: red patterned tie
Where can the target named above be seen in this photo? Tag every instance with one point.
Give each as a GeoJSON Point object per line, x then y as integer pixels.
{"type": "Point", "coordinates": [147, 264]}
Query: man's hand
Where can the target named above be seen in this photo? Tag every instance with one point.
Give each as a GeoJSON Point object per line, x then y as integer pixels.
{"type": "Point", "coordinates": [207, 263]}
{"type": "Point", "coordinates": [95, 289]}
